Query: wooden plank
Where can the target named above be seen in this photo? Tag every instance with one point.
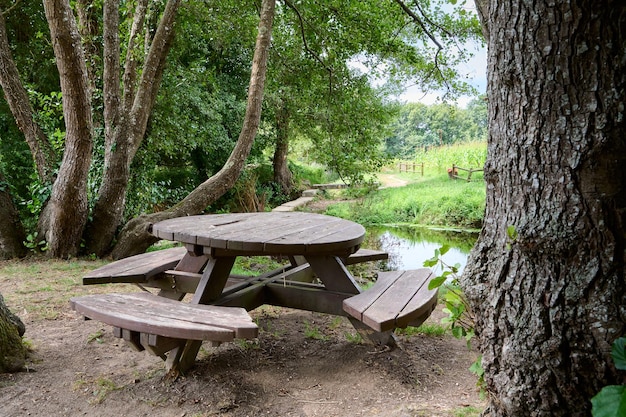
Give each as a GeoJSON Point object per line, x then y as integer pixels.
{"type": "Point", "coordinates": [303, 296]}
{"type": "Point", "coordinates": [147, 313]}
{"type": "Point", "coordinates": [397, 299]}
{"type": "Point", "coordinates": [159, 345]}
{"type": "Point", "coordinates": [366, 255]}
{"type": "Point", "coordinates": [136, 268]}
{"type": "Point", "coordinates": [273, 233]}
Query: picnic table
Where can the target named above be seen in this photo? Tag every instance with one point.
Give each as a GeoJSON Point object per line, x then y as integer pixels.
{"type": "Point", "coordinates": [316, 279]}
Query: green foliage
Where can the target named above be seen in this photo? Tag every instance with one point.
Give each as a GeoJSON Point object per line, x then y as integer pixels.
{"type": "Point", "coordinates": [418, 128]}
{"type": "Point", "coordinates": [311, 331]}
{"type": "Point", "coordinates": [34, 244]}
{"type": "Point", "coordinates": [611, 400]}
{"type": "Point", "coordinates": [467, 155]}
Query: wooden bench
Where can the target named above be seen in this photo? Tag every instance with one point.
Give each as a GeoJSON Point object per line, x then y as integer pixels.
{"type": "Point", "coordinates": [151, 266]}
{"type": "Point", "coordinates": [145, 313]}
{"type": "Point", "coordinates": [397, 299]}
{"type": "Point", "coordinates": [366, 255]}
{"type": "Point", "coordinates": [136, 269]}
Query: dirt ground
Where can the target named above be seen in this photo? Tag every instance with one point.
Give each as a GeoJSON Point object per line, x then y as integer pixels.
{"type": "Point", "coordinates": [303, 364]}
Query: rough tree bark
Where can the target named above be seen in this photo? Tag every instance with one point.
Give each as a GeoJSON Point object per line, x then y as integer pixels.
{"type": "Point", "coordinates": [282, 174]}
{"type": "Point", "coordinates": [124, 130]}
{"type": "Point", "coordinates": [551, 297]}
{"type": "Point", "coordinates": [135, 237]}
{"type": "Point", "coordinates": [64, 217]}
{"type": "Point", "coordinates": [12, 351]}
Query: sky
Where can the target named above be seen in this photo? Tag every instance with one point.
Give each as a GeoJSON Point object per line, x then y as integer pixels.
{"type": "Point", "coordinates": [475, 70]}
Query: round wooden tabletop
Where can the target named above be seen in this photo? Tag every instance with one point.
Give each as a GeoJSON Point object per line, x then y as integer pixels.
{"type": "Point", "coordinates": [273, 233]}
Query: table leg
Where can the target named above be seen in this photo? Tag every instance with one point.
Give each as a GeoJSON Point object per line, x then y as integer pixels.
{"type": "Point", "coordinates": [210, 288]}
{"type": "Point", "coordinates": [336, 277]}
{"type": "Point", "coordinates": [190, 263]}
{"type": "Point", "coordinates": [333, 274]}
{"type": "Point", "coordinates": [213, 279]}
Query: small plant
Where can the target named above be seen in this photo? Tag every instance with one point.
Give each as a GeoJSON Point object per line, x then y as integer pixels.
{"type": "Point", "coordinates": [96, 337]}
{"type": "Point", "coordinates": [428, 329]}
{"type": "Point", "coordinates": [245, 344]}
{"type": "Point", "coordinates": [34, 244]}
{"type": "Point", "coordinates": [459, 317]}
{"type": "Point", "coordinates": [103, 387]}
{"type": "Point", "coordinates": [611, 400]}
{"type": "Point", "coordinates": [313, 332]}
{"type": "Point", "coordinates": [354, 337]}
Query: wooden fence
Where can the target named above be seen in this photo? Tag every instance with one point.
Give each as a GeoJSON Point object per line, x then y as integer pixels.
{"type": "Point", "coordinates": [410, 166]}
{"type": "Point", "coordinates": [454, 172]}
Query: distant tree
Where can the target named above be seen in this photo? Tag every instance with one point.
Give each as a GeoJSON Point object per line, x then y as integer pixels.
{"type": "Point", "coordinates": [546, 279]}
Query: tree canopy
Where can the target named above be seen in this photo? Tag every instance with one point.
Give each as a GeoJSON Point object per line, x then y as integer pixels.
{"type": "Point", "coordinates": [162, 88]}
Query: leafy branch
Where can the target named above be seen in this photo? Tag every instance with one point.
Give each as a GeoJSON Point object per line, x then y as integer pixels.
{"type": "Point", "coordinates": [460, 316]}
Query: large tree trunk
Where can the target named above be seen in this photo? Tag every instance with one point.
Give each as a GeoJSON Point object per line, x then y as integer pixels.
{"type": "Point", "coordinates": [282, 174]}
{"type": "Point", "coordinates": [550, 295]}
{"type": "Point", "coordinates": [135, 237]}
{"type": "Point", "coordinates": [65, 215]}
{"type": "Point", "coordinates": [12, 351]}
{"type": "Point", "coordinates": [12, 233]}
{"type": "Point", "coordinates": [17, 98]}
{"type": "Point", "coordinates": [125, 130]}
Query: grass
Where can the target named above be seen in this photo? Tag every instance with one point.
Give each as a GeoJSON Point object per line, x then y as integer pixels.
{"type": "Point", "coordinates": [431, 201]}
{"type": "Point", "coordinates": [41, 287]}
{"type": "Point", "coordinates": [255, 265]}
{"type": "Point", "coordinates": [428, 329]}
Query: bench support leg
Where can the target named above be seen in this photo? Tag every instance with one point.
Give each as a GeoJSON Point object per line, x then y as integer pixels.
{"type": "Point", "coordinates": [333, 273]}
{"type": "Point", "coordinates": [380, 339]}
{"type": "Point", "coordinates": [182, 358]}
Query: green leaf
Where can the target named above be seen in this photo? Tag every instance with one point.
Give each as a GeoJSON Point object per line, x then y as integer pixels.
{"type": "Point", "coordinates": [436, 282]}
{"type": "Point", "coordinates": [511, 232]}
{"type": "Point", "coordinates": [609, 402]}
{"type": "Point", "coordinates": [477, 367]}
{"type": "Point", "coordinates": [430, 262]}
{"type": "Point", "coordinates": [458, 332]}
{"type": "Point", "coordinates": [444, 249]}
{"type": "Point", "coordinates": [619, 353]}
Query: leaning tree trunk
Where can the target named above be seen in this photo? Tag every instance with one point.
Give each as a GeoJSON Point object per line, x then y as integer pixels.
{"type": "Point", "coordinates": [125, 131]}
{"type": "Point", "coordinates": [12, 351]}
{"type": "Point", "coordinates": [135, 237]}
{"type": "Point", "coordinates": [550, 295]}
{"type": "Point", "coordinates": [65, 215]}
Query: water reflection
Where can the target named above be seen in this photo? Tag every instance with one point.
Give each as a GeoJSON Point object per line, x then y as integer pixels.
{"type": "Point", "coordinates": [408, 248]}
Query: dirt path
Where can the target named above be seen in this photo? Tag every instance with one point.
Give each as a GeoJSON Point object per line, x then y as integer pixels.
{"type": "Point", "coordinates": [390, 180]}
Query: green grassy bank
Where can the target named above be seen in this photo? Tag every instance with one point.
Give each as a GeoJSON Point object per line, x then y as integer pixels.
{"type": "Point", "coordinates": [430, 198]}
{"type": "Point", "coordinates": [429, 201]}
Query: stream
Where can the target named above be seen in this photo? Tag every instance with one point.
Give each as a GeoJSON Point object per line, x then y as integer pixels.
{"type": "Point", "coordinates": [409, 247]}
